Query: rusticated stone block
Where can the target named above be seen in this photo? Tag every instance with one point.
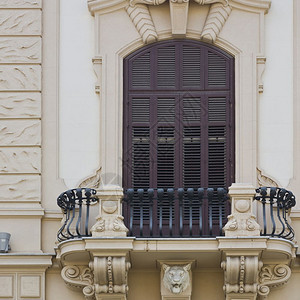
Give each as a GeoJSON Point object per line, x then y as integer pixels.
{"type": "Point", "coordinates": [20, 77]}
{"type": "Point", "coordinates": [20, 105]}
{"type": "Point", "coordinates": [20, 132]}
{"type": "Point", "coordinates": [20, 187]}
{"type": "Point", "coordinates": [20, 3]}
{"type": "Point", "coordinates": [20, 22]}
{"type": "Point", "coordinates": [20, 49]}
{"type": "Point", "coordinates": [20, 160]}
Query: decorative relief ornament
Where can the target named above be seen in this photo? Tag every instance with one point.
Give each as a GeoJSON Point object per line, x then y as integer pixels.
{"type": "Point", "coordinates": [217, 16]}
{"type": "Point", "coordinates": [176, 278]}
{"type": "Point", "coordinates": [77, 277]}
{"type": "Point", "coordinates": [241, 274]}
{"type": "Point", "coordinates": [272, 276]}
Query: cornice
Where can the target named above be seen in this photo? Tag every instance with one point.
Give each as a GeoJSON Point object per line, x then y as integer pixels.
{"type": "Point", "coordinates": [252, 4]}
{"type": "Point", "coordinates": [105, 5]}
{"type": "Point", "coordinates": [111, 5]}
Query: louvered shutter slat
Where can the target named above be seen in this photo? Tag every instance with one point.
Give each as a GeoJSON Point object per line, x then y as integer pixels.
{"type": "Point", "coordinates": [166, 67]}
{"type": "Point", "coordinates": [217, 70]}
{"type": "Point", "coordinates": [191, 65]}
{"type": "Point", "coordinates": [141, 72]}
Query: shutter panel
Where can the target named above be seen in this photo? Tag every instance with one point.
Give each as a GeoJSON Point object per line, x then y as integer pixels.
{"type": "Point", "coordinates": [192, 157]}
{"type": "Point", "coordinates": [141, 72]}
{"type": "Point", "coordinates": [217, 70]}
{"type": "Point", "coordinates": [141, 157]}
{"type": "Point", "coordinates": [166, 67]}
{"type": "Point", "coordinates": [217, 109]}
{"type": "Point", "coordinates": [140, 110]}
{"type": "Point", "coordinates": [191, 66]}
{"type": "Point", "coordinates": [166, 110]}
{"type": "Point", "coordinates": [191, 109]}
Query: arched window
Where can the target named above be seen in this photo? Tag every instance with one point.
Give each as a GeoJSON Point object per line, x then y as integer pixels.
{"type": "Point", "coordinates": [178, 116]}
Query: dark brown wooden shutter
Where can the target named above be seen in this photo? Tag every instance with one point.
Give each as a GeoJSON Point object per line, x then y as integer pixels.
{"type": "Point", "coordinates": [179, 117]}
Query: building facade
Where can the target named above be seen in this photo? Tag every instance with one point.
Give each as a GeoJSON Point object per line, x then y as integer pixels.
{"type": "Point", "coordinates": [177, 124]}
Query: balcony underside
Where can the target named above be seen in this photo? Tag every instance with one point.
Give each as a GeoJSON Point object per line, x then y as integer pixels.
{"type": "Point", "coordinates": [205, 253]}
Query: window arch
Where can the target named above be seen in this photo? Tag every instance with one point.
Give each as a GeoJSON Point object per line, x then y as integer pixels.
{"type": "Point", "coordinates": [178, 116]}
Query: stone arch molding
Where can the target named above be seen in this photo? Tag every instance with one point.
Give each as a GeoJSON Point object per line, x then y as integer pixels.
{"type": "Point", "coordinates": [139, 13]}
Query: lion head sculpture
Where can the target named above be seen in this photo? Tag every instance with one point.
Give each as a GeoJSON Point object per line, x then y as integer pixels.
{"type": "Point", "coordinates": [176, 278]}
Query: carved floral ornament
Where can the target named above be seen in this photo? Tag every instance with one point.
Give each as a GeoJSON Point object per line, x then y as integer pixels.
{"type": "Point", "coordinates": [139, 13]}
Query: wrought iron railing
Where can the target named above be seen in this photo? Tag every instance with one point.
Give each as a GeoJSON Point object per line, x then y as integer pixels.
{"type": "Point", "coordinates": [178, 212]}
{"type": "Point", "coordinates": [276, 204]}
{"type": "Point", "coordinates": [75, 205]}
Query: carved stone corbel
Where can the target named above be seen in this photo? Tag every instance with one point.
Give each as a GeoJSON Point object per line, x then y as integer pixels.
{"type": "Point", "coordinates": [241, 277]}
{"type": "Point", "coordinates": [110, 220]}
{"type": "Point", "coordinates": [97, 65]}
{"type": "Point", "coordinates": [261, 64]}
{"type": "Point", "coordinates": [105, 276]}
{"type": "Point", "coordinates": [241, 222]}
{"type": "Point", "coordinates": [272, 276]}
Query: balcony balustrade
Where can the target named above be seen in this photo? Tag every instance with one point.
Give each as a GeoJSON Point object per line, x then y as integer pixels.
{"type": "Point", "coordinates": [75, 205]}
{"type": "Point", "coordinates": [166, 213]}
{"type": "Point", "coordinates": [178, 212]}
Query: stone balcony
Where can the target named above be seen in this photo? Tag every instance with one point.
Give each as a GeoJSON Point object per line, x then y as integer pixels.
{"type": "Point", "coordinates": [252, 254]}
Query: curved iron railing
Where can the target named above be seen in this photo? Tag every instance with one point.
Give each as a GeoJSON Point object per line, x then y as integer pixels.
{"type": "Point", "coordinates": [178, 212]}
{"type": "Point", "coordinates": [75, 205]}
{"type": "Point", "coordinates": [276, 203]}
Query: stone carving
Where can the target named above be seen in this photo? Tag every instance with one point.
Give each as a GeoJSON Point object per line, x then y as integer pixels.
{"type": "Point", "coordinates": [149, 2]}
{"type": "Point", "coordinates": [93, 181]}
{"type": "Point", "coordinates": [17, 187]}
{"type": "Point", "coordinates": [97, 65]}
{"type": "Point", "coordinates": [261, 64]}
{"type": "Point", "coordinates": [20, 49]}
{"type": "Point", "coordinates": [272, 276]}
{"type": "Point", "coordinates": [109, 221]}
{"type": "Point", "coordinates": [20, 105]}
{"type": "Point", "coordinates": [241, 222]}
{"type": "Point", "coordinates": [20, 132]}
{"type": "Point", "coordinates": [20, 160]}
{"type": "Point", "coordinates": [111, 273]}
{"type": "Point", "coordinates": [20, 3]}
{"type": "Point", "coordinates": [20, 78]}
{"type": "Point", "coordinates": [203, 2]}
{"type": "Point", "coordinates": [176, 278]}
{"type": "Point", "coordinates": [20, 22]}
{"type": "Point", "coordinates": [142, 20]}
{"type": "Point", "coordinates": [217, 16]}
{"type": "Point", "coordinates": [77, 277]}
{"type": "Point", "coordinates": [241, 274]}
{"type": "Point", "coordinates": [264, 180]}
{"type": "Point", "coordinates": [106, 275]}
{"type": "Point", "coordinates": [113, 224]}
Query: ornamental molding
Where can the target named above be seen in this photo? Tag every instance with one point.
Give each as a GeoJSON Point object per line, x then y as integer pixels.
{"type": "Point", "coordinates": [272, 276]}
{"type": "Point", "coordinates": [241, 274]}
{"type": "Point", "coordinates": [241, 222]}
{"type": "Point", "coordinates": [104, 276]}
{"type": "Point", "coordinates": [140, 16]}
{"type": "Point", "coordinates": [264, 179]}
{"type": "Point", "coordinates": [93, 181]}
